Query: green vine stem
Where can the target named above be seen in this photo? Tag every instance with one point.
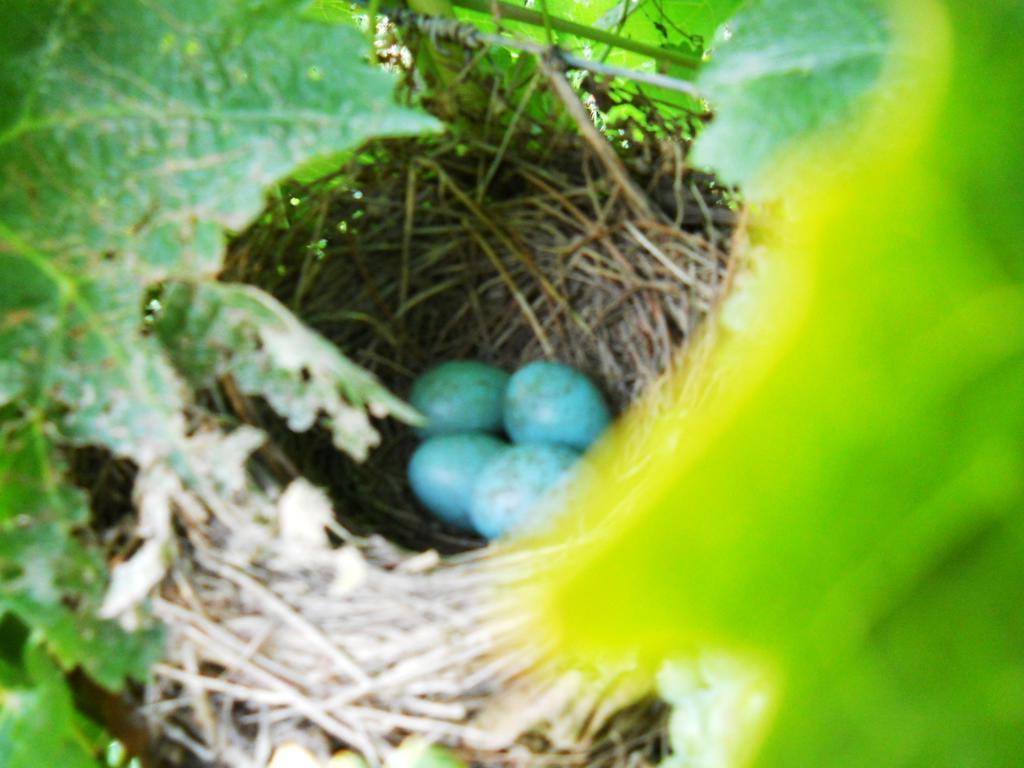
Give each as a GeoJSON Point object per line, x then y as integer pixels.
{"type": "Point", "coordinates": [537, 19]}
{"type": "Point", "coordinates": [441, 63]}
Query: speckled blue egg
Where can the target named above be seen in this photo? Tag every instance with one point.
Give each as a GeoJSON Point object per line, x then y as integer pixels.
{"type": "Point", "coordinates": [548, 402]}
{"type": "Point", "coordinates": [512, 489]}
{"type": "Point", "coordinates": [460, 396]}
{"type": "Point", "coordinates": [444, 470]}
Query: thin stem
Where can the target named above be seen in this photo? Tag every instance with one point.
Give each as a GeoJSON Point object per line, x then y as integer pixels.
{"type": "Point", "coordinates": [373, 11]}
{"type": "Point", "coordinates": [469, 36]}
{"type": "Point", "coordinates": [605, 154]}
{"type": "Point", "coordinates": [576, 62]}
{"type": "Point", "coordinates": [547, 22]}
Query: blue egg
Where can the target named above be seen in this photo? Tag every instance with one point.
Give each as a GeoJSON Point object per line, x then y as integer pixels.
{"type": "Point", "coordinates": [443, 472]}
{"type": "Point", "coordinates": [512, 489]}
{"type": "Point", "coordinates": [460, 396]}
{"type": "Point", "coordinates": [548, 402]}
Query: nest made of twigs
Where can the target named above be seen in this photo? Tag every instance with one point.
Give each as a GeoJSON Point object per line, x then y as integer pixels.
{"type": "Point", "coordinates": [546, 260]}
{"type": "Point", "coordinates": [505, 247]}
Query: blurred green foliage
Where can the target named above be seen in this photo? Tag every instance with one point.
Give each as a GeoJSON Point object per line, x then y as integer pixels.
{"type": "Point", "coordinates": [845, 512]}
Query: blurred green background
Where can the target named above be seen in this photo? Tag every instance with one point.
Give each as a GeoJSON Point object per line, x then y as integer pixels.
{"type": "Point", "coordinates": [846, 514]}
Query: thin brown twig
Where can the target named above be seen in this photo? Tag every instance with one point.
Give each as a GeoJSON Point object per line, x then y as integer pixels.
{"type": "Point", "coordinates": [602, 149]}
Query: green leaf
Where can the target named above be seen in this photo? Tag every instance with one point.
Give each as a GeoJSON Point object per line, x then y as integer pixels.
{"type": "Point", "coordinates": [414, 752]}
{"type": "Point", "coordinates": [215, 329]}
{"type": "Point", "coordinates": [54, 585]}
{"type": "Point", "coordinates": [71, 342]}
{"type": "Point", "coordinates": [23, 37]}
{"type": "Point", "coordinates": [147, 126]}
{"type": "Point", "coordinates": [783, 70]}
{"type": "Point", "coordinates": [30, 483]}
{"type": "Point", "coordinates": [38, 722]}
{"type": "Point", "coordinates": [844, 511]}
{"type": "Point", "coordinates": [938, 678]}
{"type": "Point", "coordinates": [48, 579]}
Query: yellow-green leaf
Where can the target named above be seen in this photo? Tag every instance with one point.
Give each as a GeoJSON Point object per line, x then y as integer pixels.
{"type": "Point", "coordinates": [846, 510]}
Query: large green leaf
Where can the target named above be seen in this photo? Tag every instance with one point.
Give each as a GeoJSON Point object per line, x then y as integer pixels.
{"type": "Point", "coordinates": [132, 133]}
{"type": "Point", "coordinates": [145, 126]}
{"type": "Point", "coordinates": [23, 36]}
{"type": "Point", "coordinates": [845, 511]}
{"type": "Point", "coordinates": [782, 70]}
{"type": "Point", "coordinates": [141, 129]}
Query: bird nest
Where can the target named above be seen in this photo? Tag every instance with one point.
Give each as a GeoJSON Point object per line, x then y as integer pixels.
{"type": "Point", "coordinates": [504, 244]}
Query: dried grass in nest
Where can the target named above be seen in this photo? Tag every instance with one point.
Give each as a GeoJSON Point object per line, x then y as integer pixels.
{"type": "Point", "coordinates": [506, 251]}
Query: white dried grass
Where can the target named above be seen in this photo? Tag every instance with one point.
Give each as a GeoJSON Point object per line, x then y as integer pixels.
{"type": "Point", "coordinates": [263, 645]}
